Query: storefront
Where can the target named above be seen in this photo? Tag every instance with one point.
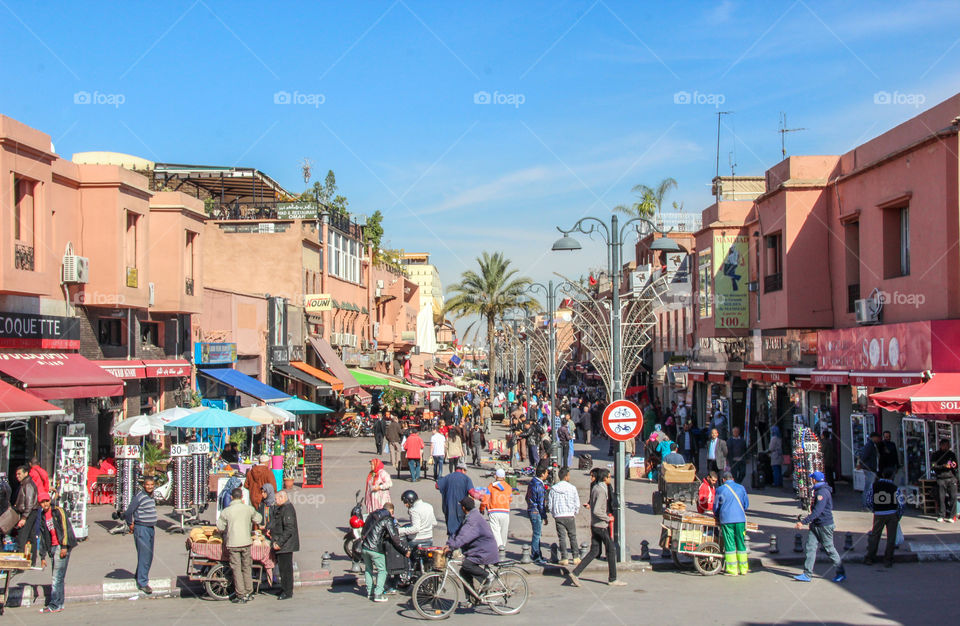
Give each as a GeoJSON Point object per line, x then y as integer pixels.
{"type": "Point", "coordinates": [861, 361]}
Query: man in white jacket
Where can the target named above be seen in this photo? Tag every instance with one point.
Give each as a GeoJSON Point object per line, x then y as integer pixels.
{"type": "Point", "coordinates": [564, 502]}
{"type": "Point", "coordinates": [422, 520]}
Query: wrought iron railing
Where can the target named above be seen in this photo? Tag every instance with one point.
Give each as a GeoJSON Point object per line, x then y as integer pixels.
{"type": "Point", "coordinates": [773, 282]}
{"type": "Point", "coordinates": [189, 286]}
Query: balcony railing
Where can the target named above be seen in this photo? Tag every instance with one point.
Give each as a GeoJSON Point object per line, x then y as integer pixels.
{"type": "Point", "coordinates": [189, 286]}
{"type": "Point", "coordinates": [23, 256]}
{"type": "Point", "coordinates": [773, 282]}
{"type": "Point", "coordinates": [853, 294]}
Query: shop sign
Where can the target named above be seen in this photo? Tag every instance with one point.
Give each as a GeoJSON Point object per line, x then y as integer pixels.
{"type": "Point", "coordinates": [296, 211]}
{"type": "Point", "coordinates": [214, 353]}
{"type": "Point", "coordinates": [279, 355]}
{"type": "Point", "coordinates": [790, 347]}
{"type": "Point", "coordinates": [889, 347]}
{"type": "Point", "coordinates": [704, 284]}
{"type": "Point", "coordinates": [167, 371]}
{"type": "Point", "coordinates": [124, 371]}
{"type": "Point", "coordinates": [713, 350]}
{"type": "Point", "coordinates": [731, 273]}
{"type": "Point", "coordinates": [27, 330]}
{"type": "Point", "coordinates": [316, 302]}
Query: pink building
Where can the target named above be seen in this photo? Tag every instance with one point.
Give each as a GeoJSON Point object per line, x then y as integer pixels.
{"type": "Point", "coordinates": [85, 246]}
{"type": "Point", "coordinates": [850, 264]}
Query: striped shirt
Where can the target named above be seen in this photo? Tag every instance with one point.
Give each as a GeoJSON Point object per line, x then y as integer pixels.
{"type": "Point", "coordinates": [142, 510]}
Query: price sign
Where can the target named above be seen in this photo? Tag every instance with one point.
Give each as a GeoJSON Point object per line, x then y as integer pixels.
{"type": "Point", "coordinates": [126, 452]}
{"type": "Point", "coordinates": [313, 465]}
{"type": "Point", "coordinates": [179, 449]}
{"type": "Point", "coordinates": [193, 448]}
{"type": "Point", "coordinates": [622, 420]}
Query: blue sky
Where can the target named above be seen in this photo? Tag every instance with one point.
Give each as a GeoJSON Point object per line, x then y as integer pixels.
{"type": "Point", "coordinates": [585, 98]}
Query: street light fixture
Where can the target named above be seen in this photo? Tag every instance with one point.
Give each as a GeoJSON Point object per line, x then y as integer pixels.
{"type": "Point", "coordinates": [613, 236]}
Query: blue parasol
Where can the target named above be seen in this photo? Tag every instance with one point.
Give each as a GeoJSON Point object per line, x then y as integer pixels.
{"type": "Point", "coordinates": [302, 407]}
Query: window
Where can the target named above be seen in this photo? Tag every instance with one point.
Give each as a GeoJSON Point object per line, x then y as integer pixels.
{"type": "Point", "coordinates": [773, 279]}
{"type": "Point", "coordinates": [851, 242]}
{"type": "Point", "coordinates": [109, 332]}
{"type": "Point", "coordinates": [130, 243]}
{"type": "Point", "coordinates": [344, 257]}
{"type": "Point", "coordinates": [896, 242]}
{"type": "Point", "coordinates": [23, 208]}
{"type": "Point", "coordinates": [150, 333]}
{"type": "Point", "coordinates": [188, 261]}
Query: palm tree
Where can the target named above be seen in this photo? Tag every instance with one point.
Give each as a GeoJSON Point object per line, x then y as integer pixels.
{"type": "Point", "coordinates": [651, 200]}
{"type": "Point", "coordinates": [488, 295]}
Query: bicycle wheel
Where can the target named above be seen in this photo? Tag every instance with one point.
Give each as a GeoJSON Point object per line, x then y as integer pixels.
{"type": "Point", "coordinates": [435, 596]}
{"type": "Point", "coordinates": [507, 593]}
{"type": "Point", "coordinates": [219, 583]}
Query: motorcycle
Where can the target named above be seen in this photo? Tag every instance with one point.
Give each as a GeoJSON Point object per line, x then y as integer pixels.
{"type": "Point", "coordinates": [351, 540]}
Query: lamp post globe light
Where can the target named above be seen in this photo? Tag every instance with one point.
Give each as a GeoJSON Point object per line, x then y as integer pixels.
{"type": "Point", "coordinates": [613, 236]}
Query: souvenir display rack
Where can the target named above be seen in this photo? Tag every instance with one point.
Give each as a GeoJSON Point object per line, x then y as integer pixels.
{"type": "Point", "coordinates": [70, 482]}
{"type": "Point", "coordinates": [807, 459]}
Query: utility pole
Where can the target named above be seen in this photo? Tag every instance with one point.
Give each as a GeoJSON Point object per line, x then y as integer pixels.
{"type": "Point", "coordinates": [717, 175]}
{"type": "Point", "coordinates": [783, 133]}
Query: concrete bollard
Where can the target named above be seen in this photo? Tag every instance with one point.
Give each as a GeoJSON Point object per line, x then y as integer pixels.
{"type": "Point", "coordinates": [774, 548]}
{"type": "Point", "coordinates": [325, 560]}
{"type": "Point", "coordinates": [644, 550]}
{"type": "Point", "coordinates": [797, 543]}
{"type": "Point", "coordinates": [554, 551]}
{"type": "Point", "coordinates": [848, 542]}
{"type": "Point", "coordinates": [525, 556]}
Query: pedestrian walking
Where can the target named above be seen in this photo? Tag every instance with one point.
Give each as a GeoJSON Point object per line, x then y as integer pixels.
{"type": "Point", "coordinates": [379, 528]}
{"type": "Point", "coordinates": [25, 506]}
{"type": "Point", "coordinates": [869, 462]}
{"type": "Point", "coordinates": [886, 501]}
{"type": "Point", "coordinates": [486, 415]}
{"type": "Point", "coordinates": [944, 463]}
{"type": "Point", "coordinates": [564, 503]}
{"type": "Point", "coordinates": [888, 456]}
{"type": "Point", "coordinates": [56, 542]}
{"type": "Point", "coordinates": [496, 504]}
{"type": "Point", "coordinates": [775, 450]}
{"type": "Point", "coordinates": [453, 488]}
{"type": "Point", "coordinates": [716, 453]}
{"type": "Point", "coordinates": [141, 516]}
{"type": "Point", "coordinates": [438, 449]}
{"type": "Point", "coordinates": [378, 432]}
{"type": "Point", "coordinates": [377, 486]}
{"type": "Point", "coordinates": [454, 448]}
{"type": "Point", "coordinates": [688, 444]}
{"type": "Point", "coordinates": [737, 453]}
{"type": "Point", "coordinates": [413, 449]}
{"type": "Point", "coordinates": [564, 438]}
{"type": "Point", "coordinates": [537, 510]}
{"type": "Point", "coordinates": [285, 536]}
{"type": "Point", "coordinates": [236, 523]}
{"type": "Point", "coordinates": [730, 506]}
{"type": "Point", "coordinates": [600, 518]}
{"type": "Point", "coordinates": [477, 442]}
{"type": "Point", "coordinates": [393, 434]}
{"type": "Point", "coordinates": [821, 529]}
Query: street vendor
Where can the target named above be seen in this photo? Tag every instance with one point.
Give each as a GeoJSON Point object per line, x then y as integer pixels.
{"type": "Point", "coordinates": [730, 508]}
{"type": "Point", "coordinates": [257, 477]}
{"type": "Point", "coordinates": [707, 493]}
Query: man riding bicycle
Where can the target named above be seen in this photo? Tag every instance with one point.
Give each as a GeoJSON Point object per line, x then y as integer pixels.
{"type": "Point", "coordinates": [477, 542]}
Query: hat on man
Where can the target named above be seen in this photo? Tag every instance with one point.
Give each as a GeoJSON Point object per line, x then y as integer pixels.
{"type": "Point", "coordinates": [264, 458]}
{"type": "Point", "coordinates": [818, 476]}
{"type": "Point", "coordinates": [501, 473]}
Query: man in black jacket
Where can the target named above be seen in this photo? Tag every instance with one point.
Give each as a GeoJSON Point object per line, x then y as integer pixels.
{"type": "Point", "coordinates": [378, 432]}
{"type": "Point", "coordinates": [886, 502]}
{"type": "Point", "coordinates": [285, 536]}
{"type": "Point", "coordinates": [379, 528]}
{"type": "Point", "coordinates": [944, 463]}
{"type": "Point", "coordinates": [56, 541]}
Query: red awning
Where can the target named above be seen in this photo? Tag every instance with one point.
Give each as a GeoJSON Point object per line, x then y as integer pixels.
{"type": "Point", "coordinates": [940, 396]}
{"type": "Point", "coordinates": [16, 404]}
{"type": "Point", "coordinates": [751, 374]}
{"type": "Point", "coordinates": [697, 375]}
{"type": "Point", "coordinates": [717, 377]}
{"type": "Point", "coordinates": [52, 375]}
{"type": "Point", "coordinates": [830, 378]}
{"type": "Point", "coordinates": [167, 368]}
{"type": "Point", "coordinates": [886, 380]}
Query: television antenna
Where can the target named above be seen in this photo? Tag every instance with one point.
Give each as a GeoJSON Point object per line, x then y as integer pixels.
{"type": "Point", "coordinates": [783, 130]}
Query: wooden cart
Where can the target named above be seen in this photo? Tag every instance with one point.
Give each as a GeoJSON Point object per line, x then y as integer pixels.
{"type": "Point", "coordinates": [693, 536]}
{"type": "Point", "coordinates": [209, 563]}
{"type": "Point", "coordinates": [11, 562]}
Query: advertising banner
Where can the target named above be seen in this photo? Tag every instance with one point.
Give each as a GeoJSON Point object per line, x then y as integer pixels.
{"type": "Point", "coordinates": [731, 274]}
{"type": "Point", "coordinates": [705, 284]}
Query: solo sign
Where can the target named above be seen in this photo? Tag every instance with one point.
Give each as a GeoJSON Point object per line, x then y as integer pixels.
{"type": "Point", "coordinates": [316, 302]}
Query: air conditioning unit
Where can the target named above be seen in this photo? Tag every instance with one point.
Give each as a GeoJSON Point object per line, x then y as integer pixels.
{"type": "Point", "coordinates": [415, 350]}
{"type": "Point", "coordinates": [76, 269]}
{"type": "Point", "coordinates": [376, 330]}
{"type": "Point", "coordinates": [866, 311]}
{"type": "Point", "coordinates": [378, 291]}
{"type": "Point", "coordinates": [336, 339]}
{"type": "Point", "coordinates": [152, 295]}
{"type": "Point", "coordinates": [354, 341]}
{"type": "Point", "coordinates": [379, 284]}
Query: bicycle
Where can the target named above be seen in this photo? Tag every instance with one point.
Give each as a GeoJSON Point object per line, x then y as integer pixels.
{"type": "Point", "coordinates": [436, 595]}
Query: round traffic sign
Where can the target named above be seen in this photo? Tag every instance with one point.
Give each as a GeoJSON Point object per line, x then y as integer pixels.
{"type": "Point", "coordinates": [622, 420]}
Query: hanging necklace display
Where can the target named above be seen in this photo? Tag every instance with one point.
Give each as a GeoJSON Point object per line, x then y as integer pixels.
{"type": "Point", "coordinates": [807, 459]}
{"type": "Point", "coordinates": [128, 480]}
{"type": "Point", "coordinates": [182, 467]}
{"type": "Point", "coordinates": [200, 475]}
{"type": "Point", "coordinates": [70, 482]}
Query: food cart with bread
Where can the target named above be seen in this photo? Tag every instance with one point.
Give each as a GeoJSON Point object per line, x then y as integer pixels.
{"type": "Point", "coordinates": [689, 535]}
{"type": "Point", "coordinates": [208, 561]}
{"type": "Point", "coordinates": [677, 483]}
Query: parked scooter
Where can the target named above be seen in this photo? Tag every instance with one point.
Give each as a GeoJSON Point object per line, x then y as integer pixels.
{"type": "Point", "coordinates": [351, 540]}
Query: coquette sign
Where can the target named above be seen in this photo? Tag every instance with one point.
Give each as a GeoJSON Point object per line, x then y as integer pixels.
{"type": "Point", "coordinates": [27, 330]}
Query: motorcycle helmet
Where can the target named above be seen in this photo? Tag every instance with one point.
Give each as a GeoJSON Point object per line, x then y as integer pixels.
{"type": "Point", "coordinates": [409, 497]}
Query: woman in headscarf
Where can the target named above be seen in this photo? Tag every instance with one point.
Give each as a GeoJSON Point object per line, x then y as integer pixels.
{"type": "Point", "coordinates": [267, 503]}
{"type": "Point", "coordinates": [652, 456]}
{"type": "Point", "coordinates": [454, 448]}
{"type": "Point", "coordinates": [377, 491]}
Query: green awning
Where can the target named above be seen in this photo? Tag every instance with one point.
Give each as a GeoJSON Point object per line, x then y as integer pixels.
{"type": "Point", "coordinates": [334, 303]}
{"type": "Point", "coordinates": [367, 379]}
{"type": "Point", "coordinates": [364, 311]}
